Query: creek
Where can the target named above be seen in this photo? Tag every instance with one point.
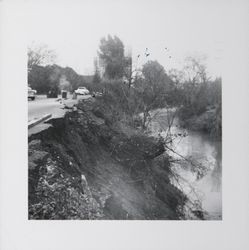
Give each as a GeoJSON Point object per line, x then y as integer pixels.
{"type": "Point", "coordinates": [197, 163]}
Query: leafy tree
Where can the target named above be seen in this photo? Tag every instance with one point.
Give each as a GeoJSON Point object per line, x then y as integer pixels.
{"type": "Point", "coordinates": [111, 53]}
{"type": "Point", "coordinates": [43, 79]}
{"type": "Point", "coordinates": [96, 76]}
{"type": "Point", "coordinates": [153, 88]}
{"type": "Point", "coordinates": [128, 70]}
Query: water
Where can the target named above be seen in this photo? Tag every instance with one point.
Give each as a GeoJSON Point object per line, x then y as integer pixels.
{"type": "Point", "coordinates": [201, 182]}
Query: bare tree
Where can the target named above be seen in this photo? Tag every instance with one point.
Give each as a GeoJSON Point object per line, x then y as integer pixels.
{"type": "Point", "coordinates": [177, 76]}
{"type": "Point", "coordinates": [40, 55]}
{"type": "Point", "coordinates": [195, 70]}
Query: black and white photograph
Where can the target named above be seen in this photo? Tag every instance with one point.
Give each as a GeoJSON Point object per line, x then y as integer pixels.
{"type": "Point", "coordinates": [124, 111]}
{"type": "Point", "coordinates": [124, 124]}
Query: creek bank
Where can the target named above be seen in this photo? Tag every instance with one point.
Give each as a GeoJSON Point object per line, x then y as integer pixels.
{"type": "Point", "coordinates": [196, 162]}
{"type": "Point", "coordinates": [85, 167]}
{"type": "Point", "coordinates": [208, 121]}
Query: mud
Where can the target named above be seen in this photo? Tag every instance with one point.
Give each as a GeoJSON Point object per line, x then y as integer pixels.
{"type": "Point", "coordinates": [83, 167]}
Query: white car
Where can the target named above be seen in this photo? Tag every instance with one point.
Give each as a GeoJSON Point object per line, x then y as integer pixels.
{"type": "Point", "coordinates": [31, 93]}
{"type": "Point", "coordinates": [82, 91]}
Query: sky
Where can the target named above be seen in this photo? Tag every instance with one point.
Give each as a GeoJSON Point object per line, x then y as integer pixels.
{"type": "Point", "coordinates": [73, 29]}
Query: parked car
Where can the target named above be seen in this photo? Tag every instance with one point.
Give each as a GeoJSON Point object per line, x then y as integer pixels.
{"type": "Point", "coordinates": [82, 91]}
{"type": "Point", "coordinates": [31, 93]}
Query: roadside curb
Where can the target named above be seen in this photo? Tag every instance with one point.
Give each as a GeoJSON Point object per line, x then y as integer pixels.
{"type": "Point", "coordinates": [39, 120]}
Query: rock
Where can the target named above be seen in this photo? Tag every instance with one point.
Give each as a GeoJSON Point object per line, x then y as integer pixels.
{"type": "Point", "coordinates": [32, 165]}
{"type": "Point", "coordinates": [34, 144]}
{"type": "Point", "coordinates": [83, 178]}
{"type": "Point", "coordinates": [38, 156]}
{"type": "Point", "coordinates": [96, 120]}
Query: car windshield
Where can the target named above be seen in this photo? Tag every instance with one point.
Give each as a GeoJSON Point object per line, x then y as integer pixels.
{"type": "Point", "coordinates": [82, 88]}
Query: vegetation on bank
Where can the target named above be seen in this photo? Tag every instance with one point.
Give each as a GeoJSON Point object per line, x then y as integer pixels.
{"type": "Point", "coordinates": [200, 106]}
{"type": "Point", "coordinates": [89, 166]}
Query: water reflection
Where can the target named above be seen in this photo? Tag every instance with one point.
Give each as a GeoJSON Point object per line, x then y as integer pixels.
{"type": "Point", "coordinates": [202, 151]}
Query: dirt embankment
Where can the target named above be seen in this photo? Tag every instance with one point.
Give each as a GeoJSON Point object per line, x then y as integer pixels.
{"type": "Point", "coordinates": [84, 167]}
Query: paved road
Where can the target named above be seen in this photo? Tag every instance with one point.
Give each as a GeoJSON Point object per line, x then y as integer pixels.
{"type": "Point", "coordinates": [43, 105]}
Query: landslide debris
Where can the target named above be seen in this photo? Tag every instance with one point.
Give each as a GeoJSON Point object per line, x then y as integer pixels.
{"type": "Point", "coordinates": [86, 167]}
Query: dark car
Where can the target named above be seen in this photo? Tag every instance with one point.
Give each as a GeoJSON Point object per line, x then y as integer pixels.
{"type": "Point", "coordinates": [52, 93]}
{"type": "Point", "coordinates": [31, 93]}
